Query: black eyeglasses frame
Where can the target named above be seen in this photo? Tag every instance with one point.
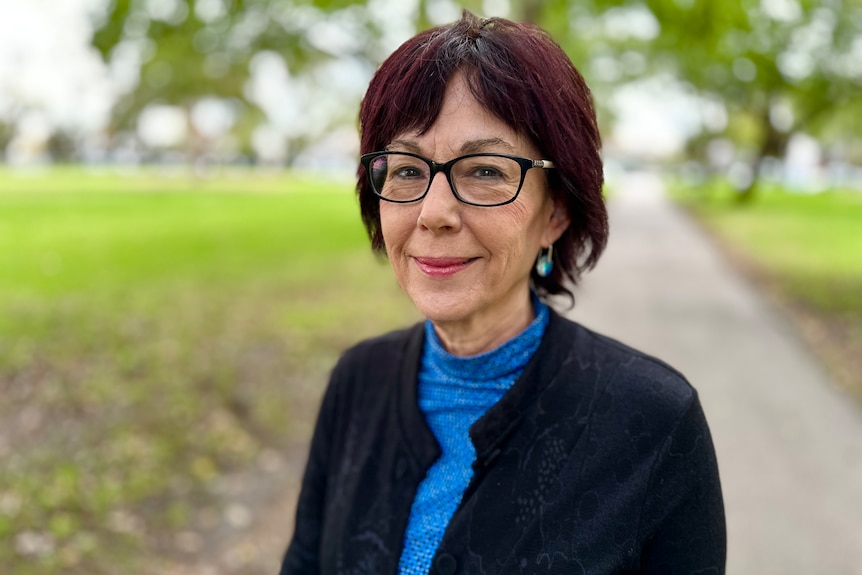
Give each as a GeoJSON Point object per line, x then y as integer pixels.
{"type": "Point", "coordinates": [446, 167]}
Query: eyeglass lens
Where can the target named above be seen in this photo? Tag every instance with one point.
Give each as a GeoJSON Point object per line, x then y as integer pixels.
{"type": "Point", "coordinates": [483, 180]}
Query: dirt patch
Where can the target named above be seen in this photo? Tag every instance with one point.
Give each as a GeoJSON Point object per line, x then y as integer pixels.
{"type": "Point", "coordinates": [245, 527]}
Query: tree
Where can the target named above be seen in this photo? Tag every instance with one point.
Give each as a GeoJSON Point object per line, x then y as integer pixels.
{"type": "Point", "coordinates": [7, 131]}
{"type": "Point", "coordinates": [775, 67]}
{"type": "Point", "coordinates": [778, 66]}
{"type": "Point", "coordinates": [187, 50]}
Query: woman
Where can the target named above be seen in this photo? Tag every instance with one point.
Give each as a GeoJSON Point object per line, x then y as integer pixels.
{"type": "Point", "coordinates": [497, 436]}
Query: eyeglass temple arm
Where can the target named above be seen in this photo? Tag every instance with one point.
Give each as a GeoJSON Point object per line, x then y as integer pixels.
{"type": "Point", "coordinates": [543, 164]}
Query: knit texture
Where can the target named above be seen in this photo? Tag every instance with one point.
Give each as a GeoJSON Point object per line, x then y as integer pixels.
{"type": "Point", "coordinates": [453, 393]}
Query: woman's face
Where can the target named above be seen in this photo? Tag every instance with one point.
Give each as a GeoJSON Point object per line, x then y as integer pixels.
{"type": "Point", "coordinates": [462, 265]}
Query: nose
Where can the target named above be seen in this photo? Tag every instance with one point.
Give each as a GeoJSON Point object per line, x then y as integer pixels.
{"type": "Point", "coordinates": [441, 210]}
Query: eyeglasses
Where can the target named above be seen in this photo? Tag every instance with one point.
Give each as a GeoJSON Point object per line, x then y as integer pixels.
{"type": "Point", "coordinates": [476, 179]}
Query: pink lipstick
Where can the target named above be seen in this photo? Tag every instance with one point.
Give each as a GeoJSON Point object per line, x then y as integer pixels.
{"type": "Point", "coordinates": [442, 267]}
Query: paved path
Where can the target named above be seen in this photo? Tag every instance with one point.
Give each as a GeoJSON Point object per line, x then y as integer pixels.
{"type": "Point", "coordinates": [789, 444]}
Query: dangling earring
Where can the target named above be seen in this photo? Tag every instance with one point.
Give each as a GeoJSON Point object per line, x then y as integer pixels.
{"type": "Point", "coordinates": [545, 263]}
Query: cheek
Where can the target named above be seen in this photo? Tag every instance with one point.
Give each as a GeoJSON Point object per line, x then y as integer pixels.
{"type": "Point", "coordinates": [386, 221]}
{"type": "Point", "coordinates": [516, 213]}
{"type": "Point", "coordinates": [394, 225]}
{"type": "Point", "coordinates": [522, 225]}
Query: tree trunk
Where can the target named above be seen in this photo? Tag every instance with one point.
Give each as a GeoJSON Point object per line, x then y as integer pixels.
{"type": "Point", "coordinates": [746, 195]}
{"type": "Point", "coordinates": [773, 145]}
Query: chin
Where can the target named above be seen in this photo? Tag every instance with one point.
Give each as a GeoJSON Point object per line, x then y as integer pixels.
{"type": "Point", "coordinates": [443, 307]}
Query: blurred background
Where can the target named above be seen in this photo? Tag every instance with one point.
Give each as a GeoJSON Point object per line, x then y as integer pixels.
{"type": "Point", "coordinates": [182, 261]}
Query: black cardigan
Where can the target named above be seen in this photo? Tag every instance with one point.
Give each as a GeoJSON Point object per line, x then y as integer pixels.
{"type": "Point", "coordinates": [597, 460]}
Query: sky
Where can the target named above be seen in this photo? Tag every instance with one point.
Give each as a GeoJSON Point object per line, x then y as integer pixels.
{"type": "Point", "coordinates": [46, 63]}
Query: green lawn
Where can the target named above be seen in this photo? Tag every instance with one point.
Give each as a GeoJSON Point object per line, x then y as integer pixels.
{"type": "Point", "coordinates": [808, 247]}
{"type": "Point", "coordinates": [157, 331]}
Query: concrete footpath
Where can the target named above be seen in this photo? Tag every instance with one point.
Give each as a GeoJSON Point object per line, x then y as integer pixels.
{"type": "Point", "coordinates": [789, 442]}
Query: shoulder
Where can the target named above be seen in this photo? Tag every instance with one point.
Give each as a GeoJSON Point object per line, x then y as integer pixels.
{"type": "Point", "coordinates": [375, 363]}
{"type": "Point", "coordinates": [380, 351]}
{"type": "Point", "coordinates": [366, 373]}
{"type": "Point", "coordinates": [627, 380]}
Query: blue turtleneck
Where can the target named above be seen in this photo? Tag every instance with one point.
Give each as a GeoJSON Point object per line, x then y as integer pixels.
{"type": "Point", "coordinates": [453, 393]}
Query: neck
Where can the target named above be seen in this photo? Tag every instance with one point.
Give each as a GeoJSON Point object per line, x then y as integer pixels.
{"type": "Point", "coordinates": [479, 335]}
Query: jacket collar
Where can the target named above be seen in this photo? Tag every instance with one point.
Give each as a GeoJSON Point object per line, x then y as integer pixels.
{"type": "Point", "coordinates": [415, 431]}
{"type": "Point", "coordinates": [491, 429]}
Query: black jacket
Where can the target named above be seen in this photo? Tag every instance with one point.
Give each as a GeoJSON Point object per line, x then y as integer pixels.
{"type": "Point", "coordinates": [598, 460]}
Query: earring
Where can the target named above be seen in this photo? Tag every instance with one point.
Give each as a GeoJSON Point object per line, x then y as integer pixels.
{"type": "Point", "coordinates": [545, 263]}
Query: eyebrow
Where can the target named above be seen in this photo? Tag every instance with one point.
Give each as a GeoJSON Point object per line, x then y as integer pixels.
{"type": "Point", "coordinates": [474, 146]}
{"type": "Point", "coordinates": [469, 147]}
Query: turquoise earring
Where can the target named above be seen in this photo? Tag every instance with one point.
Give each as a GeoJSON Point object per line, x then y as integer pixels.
{"type": "Point", "coordinates": [545, 263]}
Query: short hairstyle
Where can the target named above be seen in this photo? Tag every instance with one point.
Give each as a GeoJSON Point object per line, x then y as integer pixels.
{"type": "Point", "coordinates": [524, 78]}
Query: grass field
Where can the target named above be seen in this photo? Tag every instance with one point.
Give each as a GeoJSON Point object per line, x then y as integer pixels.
{"type": "Point", "coordinates": [157, 331]}
{"type": "Point", "coordinates": [807, 249]}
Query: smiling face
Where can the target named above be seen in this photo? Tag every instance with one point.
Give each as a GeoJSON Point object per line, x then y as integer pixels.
{"type": "Point", "coordinates": [467, 268]}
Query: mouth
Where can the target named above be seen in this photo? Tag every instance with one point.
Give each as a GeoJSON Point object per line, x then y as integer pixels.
{"type": "Point", "coordinates": [442, 267]}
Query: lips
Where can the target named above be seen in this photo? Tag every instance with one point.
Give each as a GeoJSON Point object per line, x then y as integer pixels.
{"type": "Point", "coordinates": [442, 267]}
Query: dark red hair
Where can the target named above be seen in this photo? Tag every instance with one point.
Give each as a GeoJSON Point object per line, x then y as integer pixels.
{"type": "Point", "coordinates": [524, 78]}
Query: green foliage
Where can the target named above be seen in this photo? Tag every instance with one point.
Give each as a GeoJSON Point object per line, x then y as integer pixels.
{"type": "Point", "coordinates": [158, 332]}
{"type": "Point", "coordinates": [192, 53]}
{"type": "Point", "coordinates": [776, 67]}
{"type": "Point", "coordinates": [752, 57]}
{"type": "Point", "coordinates": [110, 32]}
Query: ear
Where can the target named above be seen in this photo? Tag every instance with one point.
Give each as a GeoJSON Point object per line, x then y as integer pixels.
{"type": "Point", "coordinates": [558, 222]}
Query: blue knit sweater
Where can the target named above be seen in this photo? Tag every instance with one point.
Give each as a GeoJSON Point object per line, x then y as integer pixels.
{"type": "Point", "coordinates": [453, 393]}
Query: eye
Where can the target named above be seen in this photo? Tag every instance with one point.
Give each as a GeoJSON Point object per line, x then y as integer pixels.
{"type": "Point", "coordinates": [407, 172]}
{"type": "Point", "coordinates": [487, 172]}
{"type": "Point", "coordinates": [406, 168]}
{"type": "Point", "coordinates": [485, 169]}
